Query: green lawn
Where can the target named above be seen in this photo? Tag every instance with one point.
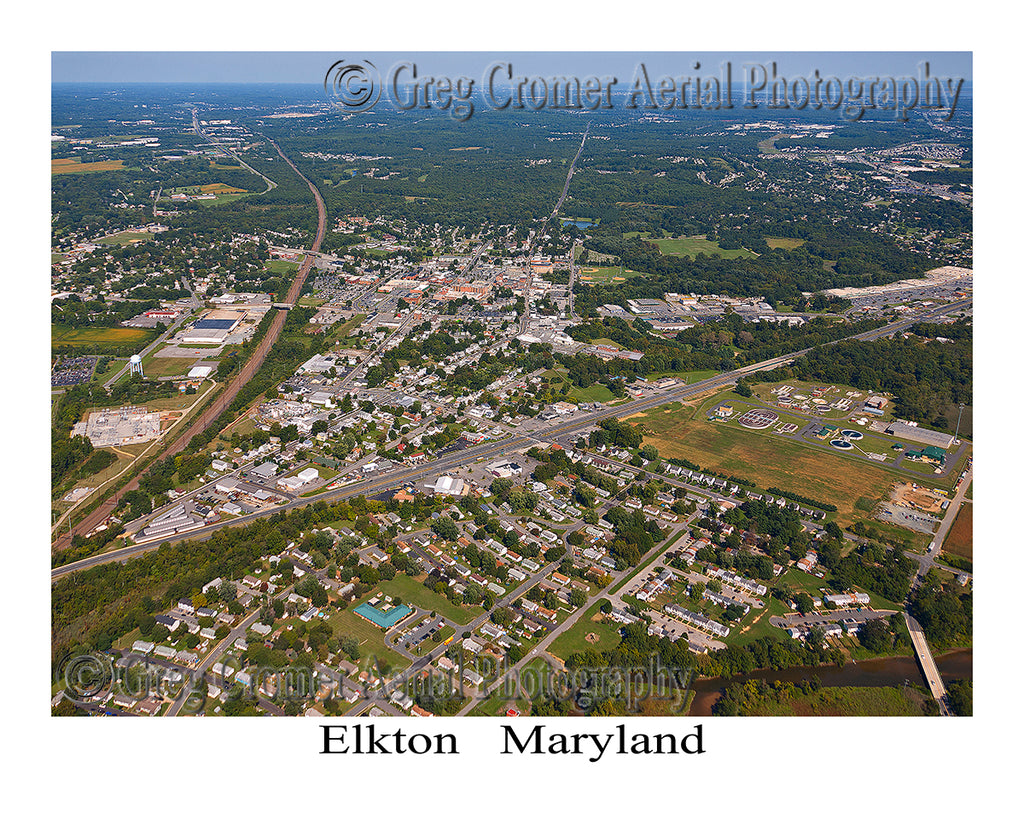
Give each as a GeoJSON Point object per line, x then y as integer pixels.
{"type": "Point", "coordinates": [782, 241]}
{"type": "Point", "coordinates": [595, 392]}
{"type": "Point", "coordinates": [756, 621]}
{"type": "Point", "coordinates": [371, 638]}
{"type": "Point", "coordinates": [690, 246]}
{"type": "Point", "coordinates": [412, 591]}
{"type": "Point", "coordinates": [220, 198]}
{"type": "Point", "coordinates": [155, 367]}
{"type": "Point", "coordinates": [112, 367]}
{"type": "Point", "coordinates": [573, 640]}
{"type": "Point", "coordinates": [690, 376]}
{"type": "Point", "coordinates": [800, 581]}
{"type": "Point", "coordinates": [125, 237]}
{"type": "Point", "coordinates": [179, 401]}
{"type": "Point", "coordinates": [600, 274]}
{"type": "Point", "coordinates": [344, 329]}
{"type": "Point", "coordinates": [281, 266]}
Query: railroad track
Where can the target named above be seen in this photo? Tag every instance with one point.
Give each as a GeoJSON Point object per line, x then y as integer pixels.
{"type": "Point", "coordinates": [222, 401]}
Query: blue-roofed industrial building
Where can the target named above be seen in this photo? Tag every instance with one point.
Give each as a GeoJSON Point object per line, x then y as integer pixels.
{"type": "Point", "coordinates": [215, 324]}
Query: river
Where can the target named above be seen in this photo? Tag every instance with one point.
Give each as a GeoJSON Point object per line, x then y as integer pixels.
{"type": "Point", "coordinates": [883, 671]}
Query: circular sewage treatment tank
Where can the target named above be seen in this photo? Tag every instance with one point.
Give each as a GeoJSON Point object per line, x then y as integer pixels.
{"type": "Point", "coordinates": [852, 434]}
{"type": "Point", "coordinates": [839, 444]}
{"type": "Point", "coordinates": [758, 418]}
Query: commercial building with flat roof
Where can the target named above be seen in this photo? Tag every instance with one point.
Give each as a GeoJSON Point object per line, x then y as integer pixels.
{"type": "Point", "coordinates": [384, 619]}
{"type": "Point", "coordinates": [912, 432]}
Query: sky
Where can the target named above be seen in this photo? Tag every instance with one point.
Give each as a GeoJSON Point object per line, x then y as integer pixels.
{"type": "Point", "coordinates": [310, 67]}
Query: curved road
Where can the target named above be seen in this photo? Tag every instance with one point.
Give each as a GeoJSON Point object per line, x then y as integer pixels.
{"type": "Point", "coordinates": [219, 404]}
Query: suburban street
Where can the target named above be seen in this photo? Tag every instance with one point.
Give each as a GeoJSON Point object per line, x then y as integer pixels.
{"type": "Point", "coordinates": [170, 331]}
{"type": "Point", "coordinates": [403, 477]}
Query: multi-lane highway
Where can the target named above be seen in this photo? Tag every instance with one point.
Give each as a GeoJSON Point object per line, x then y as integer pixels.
{"type": "Point", "coordinates": [248, 370]}
{"type": "Point", "coordinates": [495, 449]}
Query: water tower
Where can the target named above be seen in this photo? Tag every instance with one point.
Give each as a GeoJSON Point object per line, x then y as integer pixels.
{"type": "Point", "coordinates": [135, 365]}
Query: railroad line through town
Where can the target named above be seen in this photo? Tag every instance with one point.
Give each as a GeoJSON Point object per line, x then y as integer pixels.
{"type": "Point", "coordinates": [489, 450]}
{"type": "Point", "coordinates": [247, 372]}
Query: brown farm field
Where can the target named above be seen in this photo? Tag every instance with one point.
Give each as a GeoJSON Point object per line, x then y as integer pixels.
{"type": "Point", "coordinates": [960, 540]}
{"type": "Point", "coordinates": [87, 336]}
{"type": "Point", "coordinates": [768, 460]}
{"type": "Point", "coordinates": [220, 187]}
{"type": "Point", "coordinates": [75, 166]}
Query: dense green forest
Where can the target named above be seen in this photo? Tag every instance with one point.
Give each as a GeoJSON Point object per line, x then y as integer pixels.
{"type": "Point", "coordinates": [928, 378]}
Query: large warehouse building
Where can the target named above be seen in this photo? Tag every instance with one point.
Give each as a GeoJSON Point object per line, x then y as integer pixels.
{"type": "Point", "coordinates": [213, 328]}
{"type": "Point", "coordinates": [912, 432]}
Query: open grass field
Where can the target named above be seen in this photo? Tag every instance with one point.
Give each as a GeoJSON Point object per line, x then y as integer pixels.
{"type": "Point", "coordinates": [960, 540]}
{"type": "Point", "coordinates": [371, 638]}
{"type": "Point", "coordinates": [58, 166]}
{"type": "Point", "coordinates": [281, 266]}
{"type": "Point", "coordinates": [114, 365]}
{"type": "Point", "coordinates": [690, 246]}
{"type": "Point", "coordinates": [690, 377]}
{"type": "Point", "coordinates": [589, 274]}
{"type": "Point", "coordinates": [125, 237]}
{"type": "Point", "coordinates": [124, 458]}
{"type": "Point", "coordinates": [98, 336]}
{"type": "Point", "coordinates": [755, 623]}
{"type": "Point", "coordinates": [180, 401]}
{"type": "Point", "coordinates": [575, 640]}
{"type": "Point", "coordinates": [496, 704]}
{"type": "Point", "coordinates": [915, 541]}
{"type": "Point", "coordinates": [158, 367]}
{"type": "Point", "coordinates": [767, 459]}
{"type": "Point", "coordinates": [220, 198]}
{"type": "Point", "coordinates": [344, 329]}
{"type": "Point", "coordinates": [595, 392]}
{"type": "Point", "coordinates": [412, 591]}
{"type": "Point", "coordinates": [781, 241]}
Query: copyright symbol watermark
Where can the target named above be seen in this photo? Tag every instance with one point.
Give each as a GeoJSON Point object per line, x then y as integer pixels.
{"type": "Point", "coordinates": [353, 85]}
{"type": "Point", "coordinates": [87, 676]}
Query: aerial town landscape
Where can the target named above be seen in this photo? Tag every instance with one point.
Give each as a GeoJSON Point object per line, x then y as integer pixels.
{"type": "Point", "coordinates": [543, 413]}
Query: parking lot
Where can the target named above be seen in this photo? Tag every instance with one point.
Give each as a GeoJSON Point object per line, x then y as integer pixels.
{"type": "Point", "coordinates": [71, 371]}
